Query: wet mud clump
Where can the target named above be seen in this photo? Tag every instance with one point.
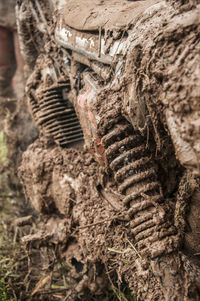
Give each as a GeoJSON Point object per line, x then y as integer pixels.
{"type": "Point", "coordinates": [82, 214]}
{"type": "Point", "coordinates": [94, 238]}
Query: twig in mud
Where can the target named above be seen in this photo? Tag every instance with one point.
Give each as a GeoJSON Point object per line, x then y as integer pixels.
{"type": "Point", "coordinates": [24, 221]}
{"type": "Point", "coordinates": [116, 203]}
{"type": "Point", "coordinates": [100, 222]}
{"type": "Point", "coordinates": [58, 296]}
{"type": "Point", "coordinates": [69, 295]}
{"type": "Point", "coordinates": [12, 288]}
{"type": "Point", "coordinates": [41, 283]}
{"type": "Point", "coordinates": [27, 280]}
{"type": "Point", "coordinates": [116, 291]}
{"type": "Point", "coordinates": [15, 235]}
{"type": "Point", "coordinates": [136, 251]}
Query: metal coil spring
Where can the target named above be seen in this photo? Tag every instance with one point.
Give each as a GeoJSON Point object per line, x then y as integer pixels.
{"type": "Point", "coordinates": [57, 116]}
{"type": "Point", "coordinates": [135, 173]}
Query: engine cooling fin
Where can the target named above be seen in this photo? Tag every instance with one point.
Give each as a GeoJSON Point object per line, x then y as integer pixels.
{"type": "Point", "coordinates": [133, 169]}
{"type": "Point", "coordinates": [56, 115]}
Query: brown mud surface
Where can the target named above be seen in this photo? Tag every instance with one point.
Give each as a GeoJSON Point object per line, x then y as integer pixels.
{"type": "Point", "coordinates": [106, 13]}
{"type": "Point", "coordinates": [135, 219]}
{"type": "Point", "coordinates": [83, 216]}
{"type": "Point", "coordinates": [35, 270]}
{"type": "Point", "coordinates": [94, 230]}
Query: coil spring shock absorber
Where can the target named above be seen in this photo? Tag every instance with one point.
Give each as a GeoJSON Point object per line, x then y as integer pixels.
{"type": "Point", "coordinates": [135, 173]}
{"type": "Point", "coordinates": [56, 115]}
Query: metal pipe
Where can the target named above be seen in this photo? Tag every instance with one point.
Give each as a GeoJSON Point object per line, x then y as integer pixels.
{"type": "Point", "coordinates": [102, 70]}
{"type": "Point", "coordinates": [105, 59]}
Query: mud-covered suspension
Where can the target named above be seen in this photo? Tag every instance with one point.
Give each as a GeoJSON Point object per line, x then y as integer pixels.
{"type": "Point", "coordinates": [133, 169]}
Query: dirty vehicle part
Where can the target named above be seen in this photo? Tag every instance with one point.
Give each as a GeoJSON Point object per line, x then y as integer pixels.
{"type": "Point", "coordinates": [135, 173]}
{"type": "Point", "coordinates": [48, 100]}
{"type": "Point", "coordinates": [55, 114]}
{"type": "Point", "coordinates": [31, 39]}
{"type": "Point", "coordinates": [115, 144]}
{"type": "Point", "coordinates": [98, 60]}
{"type": "Point", "coordinates": [59, 121]}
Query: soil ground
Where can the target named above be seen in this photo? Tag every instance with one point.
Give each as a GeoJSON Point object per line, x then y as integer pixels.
{"type": "Point", "coordinates": [28, 273]}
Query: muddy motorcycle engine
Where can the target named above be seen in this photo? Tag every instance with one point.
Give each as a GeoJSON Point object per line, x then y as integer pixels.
{"type": "Point", "coordinates": [76, 90]}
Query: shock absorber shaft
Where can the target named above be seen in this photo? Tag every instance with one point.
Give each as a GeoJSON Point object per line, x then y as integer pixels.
{"type": "Point", "coordinates": [134, 171]}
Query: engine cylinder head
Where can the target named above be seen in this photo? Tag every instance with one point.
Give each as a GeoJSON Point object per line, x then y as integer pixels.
{"type": "Point", "coordinates": [56, 116]}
